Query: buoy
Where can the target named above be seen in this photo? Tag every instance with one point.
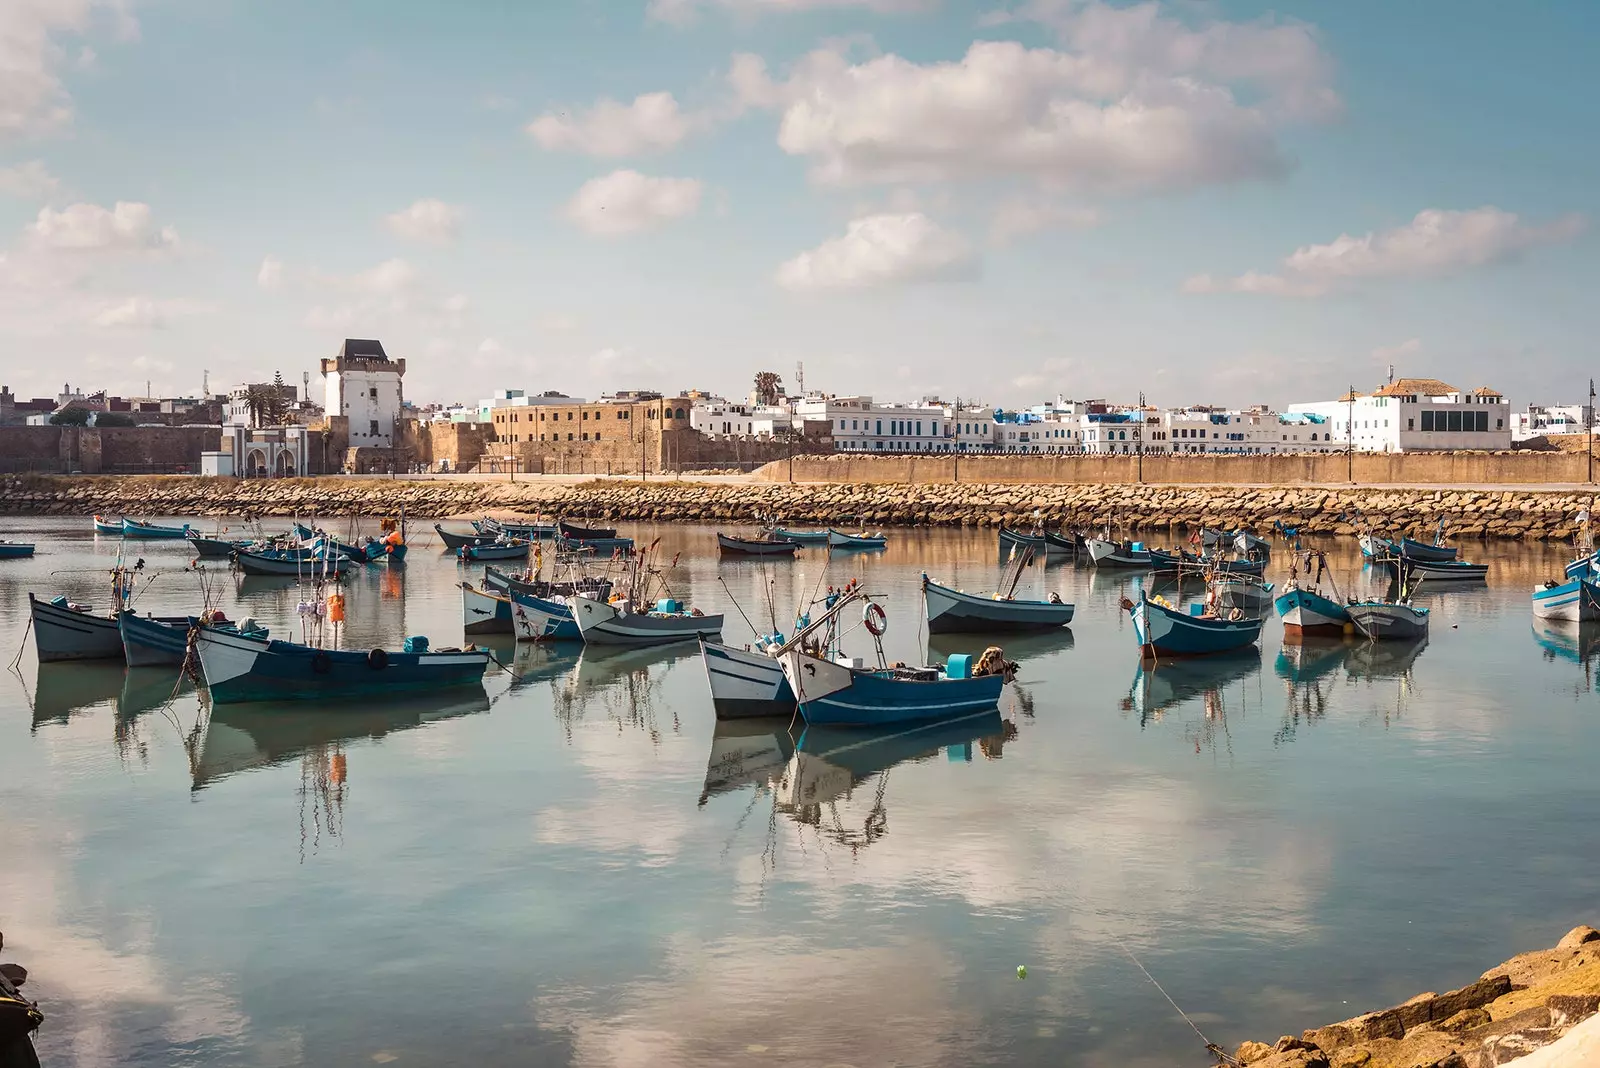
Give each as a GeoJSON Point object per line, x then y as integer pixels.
{"type": "Point", "coordinates": [336, 607]}
{"type": "Point", "coordinates": [1022, 971]}
{"type": "Point", "coordinates": [1349, 629]}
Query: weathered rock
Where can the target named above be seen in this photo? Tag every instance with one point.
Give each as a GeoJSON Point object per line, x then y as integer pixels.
{"type": "Point", "coordinates": [1578, 936]}
{"type": "Point", "coordinates": [1568, 1009]}
{"type": "Point", "coordinates": [1295, 1058]}
{"type": "Point", "coordinates": [1465, 1020]}
{"type": "Point", "coordinates": [1251, 1052]}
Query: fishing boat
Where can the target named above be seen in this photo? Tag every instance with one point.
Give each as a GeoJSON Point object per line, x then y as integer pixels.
{"type": "Point", "coordinates": [498, 581]}
{"type": "Point", "coordinates": [455, 542]}
{"type": "Point", "coordinates": [15, 550]}
{"type": "Point", "coordinates": [1374, 547]}
{"type": "Point", "coordinates": [1162, 630]}
{"type": "Point", "coordinates": [800, 537]}
{"type": "Point", "coordinates": [728, 545]}
{"type": "Point", "coordinates": [838, 539]}
{"type": "Point", "coordinates": [745, 684]}
{"type": "Point", "coordinates": [1248, 593]}
{"type": "Point", "coordinates": [605, 547]}
{"type": "Point", "coordinates": [957, 612]}
{"type": "Point", "coordinates": [1389, 620]}
{"type": "Point", "coordinates": [238, 668]}
{"type": "Point", "coordinates": [844, 692]}
{"type": "Point", "coordinates": [1437, 570]}
{"type": "Point", "coordinates": [1302, 605]}
{"type": "Point", "coordinates": [1043, 543]}
{"type": "Point", "coordinates": [287, 562]}
{"type": "Point", "coordinates": [148, 641]}
{"type": "Point", "coordinates": [1103, 552]}
{"type": "Point", "coordinates": [619, 622]}
{"type": "Point", "coordinates": [573, 532]}
{"type": "Point", "coordinates": [484, 611]}
{"type": "Point", "coordinates": [511, 529]}
{"type": "Point", "coordinates": [1166, 561]}
{"type": "Point", "coordinates": [1584, 567]}
{"type": "Point", "coordinates": [1435, 552]}
{"type": "Point", "coordinates": [135, 528]}
{"type": "Point", "coordinates": [1242, 541]}
{"type": "Point", "coordinates": [107, 525]}
{"type": "Point", "coordinates": [214, 547]}
{"type": "Point", "coordinates": [1574, 601]}
{"type": "Point", "coordinates": [543, 619]}
{"type": "Point", "coordinates": [63, 630]}
{"type": "Point", "coordinates": [496, 550]}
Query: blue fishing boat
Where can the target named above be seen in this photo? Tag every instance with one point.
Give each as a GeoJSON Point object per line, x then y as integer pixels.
{"type": "Point", "coordinates": [1103, 552]}
{"type": "Point", "coordinates": [1574, 601]}
{"type": "Point", "coordinates": [15, 550]}
{"type": "Point", "coordinates": [238, 668]}
{"type": "Point", "coordinates": [1410, 570]}
{"type": "Point", "coordinates": [214, 547]}
{"type": "Point", "coordinates": [149, 641]}
{"type": "Point", "coordinates": [1306, 611]}
{"type": "Point", "coordinates": [289, 562]}
{"type": "Point", "coordinates": [542, 619]}
{"type": "Point", "coordinates": [497, 550]}
{"type": "Point", "coordinates": [498, 581]}
{"type": "Point", "coordinates": [849, 694]}
{"type": "Point", "coordinates": [134, 528]}
{"type": "Point", "coordinates": [1043, 544]}
{"type": "Point", "coordinates": [1162, 630]}
{"type": "Point", "coordinates": [63, 630]}
{"type": "Point", "coordinates": [801, 537]}
{"type": "Point", "coordinates": [596, 546]}
{"type": "Point", "coordinates": [1421, 550]}
{"type": "Point", "coordinates": [106, 525]}
{"type": "Point", "coordinates": [455, 541]}
{"type": "Point", "coordinates": [838, 539]}
{"type": "Point", "coordinates": [1584, 567]}
{"type": "Point", "coordinates": [572, 532]}
{"type": "Point", "coordinates": [953, 611]}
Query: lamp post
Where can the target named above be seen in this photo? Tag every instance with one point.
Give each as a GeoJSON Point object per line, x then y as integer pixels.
{"type": "Point", "coordinates": [1350, 434]}
{"type": "Point", "coordinates": [1138, 436]}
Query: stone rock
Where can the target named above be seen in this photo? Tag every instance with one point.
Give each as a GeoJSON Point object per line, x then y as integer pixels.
{"type": "Point", "coordinates": [1351, 1057]}
{"type": "Point", "coordinates": [1295, 1058]}
{"type": "Point", "coordinates": [1428, 1008]}
{"type": "Point", "coordinates": [1364, 1028]}
{"type": "Point", "coordinates": [1289, 1042]}
{"type": "Point", "coordinates": [1578, 936]}
{"type": "Point", "coordinates": [1251, 1052]}
{"type": "Point", "coordinates": [1568, 1009]}
{"type": "Point", "coordinates": [1466, 1020]}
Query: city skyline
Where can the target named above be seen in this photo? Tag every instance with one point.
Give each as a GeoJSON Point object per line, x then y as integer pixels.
{"type": "Point", "coordinates": [1208, 203]}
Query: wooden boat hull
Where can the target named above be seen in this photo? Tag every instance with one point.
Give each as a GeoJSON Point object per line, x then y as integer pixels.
{"type": "Point", "coordinates": [134, 529]}
{"type": "Point", "coordinates": [731, 546]}
{"type": "Point", "coordinates": [953, 612]}
{"type": "Point", "coordinates": [1421, 550]}
{"type": "Point", "coordinates": [745, 685]}
{"type": "Point", "coordinates": [837, 539]}
{"type": "Point", "coordinates": [238, 669]}
{"type": "Point", "coordinates": [158, 641]}
{"type": "Point", "coordinates": [496, 551]}
{"type": "Point", "coordinates": [577, 533]}
{"type": "Point", "coordinates": [1043, 545]}
{"type": "Point", "coordinates": [1163, 631]}
{"type": "Point", "coordinates": [62, 634]}
{"type": "Point", "coordinates": [484, 612]}
{"type": "Point", "coordinates": [1389, 622]}
{"type": "Point", "coordinates": [801, 537]}
{"type": "Point", "coordinates": [1445, 571]}
{"type": "Point", "coordinates": [1577, 601]}
{"type": "Point", "coordinates": [1307, 612]}
{"type": "Point", "coordinates": [601, 624]}
{"type": "Point", "coordinates": [1104, 553]}
{"type": "Point", "coordinates": [102, 525]}
{"type": "Point", "coordinates": [15, 550]}
{"type": "Point", "coordinates": [455, 541]}
{"type": "Point", "coordinates": [290, 566]}
{"type": "Point", "coordinates": [597, 546]}
{"type": "Point", "coordinates": [835, 695]}
{"type": "Point", "coordinates": [214, 547]}
{"type": "Point", "coordinates": [540, 619]}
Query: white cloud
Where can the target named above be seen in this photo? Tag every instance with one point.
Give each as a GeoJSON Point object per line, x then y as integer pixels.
{"type": "Point", "coordinates": [681, 11]}
{"type": "Point", "coordinates": [387, 294]}
{"type": "Point", "coordinates": [144, 313]}
{"type": "Point", "coordinates": [1019, 216]}
{"type": "Point", "coordinates": [427, 220]}
{"type": "Point", "coordinates": [1434, 243]}
{"type": "Point", "coordinates": [89, 227]}
{"type": "Point", "coordinates": [1004, 110]}
{"type": "Point", "coordinates": [270, 276]}
{"type": "Point", "coordinates": [1390, 353]}
{"type": "Point", "coordinates": [626, 201]}
{"type": "Point", "coordinates": [881, 250]}
{"type": "Point", "coordinates": [28, 181]}
{"type": "Point", "coordinates": [33, 99]}
{"type": "Point", "coordinates": [652, 123]}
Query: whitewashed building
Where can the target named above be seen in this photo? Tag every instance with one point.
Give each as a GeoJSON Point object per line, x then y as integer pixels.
{"type": "Point", "coordinates": [859, 425]}
{"type": "Point", "coordinates": [717, 418]}
{"type": "Point", "coordinates": [1252, 431]}
{"type": "Point", "coordinates": [969, 428]}
{"type": "Point", "coordinates": [363, 386]}
{"type": "Point", "coordinates": [1417, 415]}
{"type": "Point", "coordinates": [1542, 419]}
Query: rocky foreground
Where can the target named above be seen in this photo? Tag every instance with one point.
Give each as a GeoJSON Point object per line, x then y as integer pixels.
{"type": "Point", "coordinates": [1513, 513]}
{"type": "Point", "coordinates": [1528, 1003]}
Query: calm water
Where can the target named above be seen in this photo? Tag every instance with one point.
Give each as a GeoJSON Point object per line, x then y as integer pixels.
{"type": "Point", "coordinates": [567, 869]}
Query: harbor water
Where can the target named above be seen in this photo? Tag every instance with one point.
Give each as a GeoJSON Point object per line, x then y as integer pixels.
{"type": "Point", "coordinates": [577, 865]}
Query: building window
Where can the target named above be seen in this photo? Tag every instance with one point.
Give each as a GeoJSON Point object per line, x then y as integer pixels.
{"type": "Point", "coordinates": [1411, 424]}
{"type": "Point", "coordinates": [1481, 422]}
{"type": "Point", "coordinates": [682, 414]}
{"type": "Point", "coordinates": [1427, 422]}
{"type": "Point", "coordinates": [373, 432]}
{"type": "Point", "coordinates": [585, 435]}
{"type": "Point", "coordinates": [585, 416]}
{"type": "Point", "coordinates": [1455, 422]}
{"type": "Point", "coordinates": [373, 392]}
{"type": "Point", "coordinates": [569, 435]}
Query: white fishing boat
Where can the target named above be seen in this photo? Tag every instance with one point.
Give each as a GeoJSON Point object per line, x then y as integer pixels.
{"type": "Point", "coordinates": [620, 622]}
{"type": "Point", "coordinates": [1575, 601]}
{"type": "Point", "coordinates": [745, 683]}
{"type": "Point", "coordinates": [1389, 620]}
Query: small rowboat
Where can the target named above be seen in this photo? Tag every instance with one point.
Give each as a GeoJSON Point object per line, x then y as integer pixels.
{"type": "Point", "coordinates": [66, 631]}
{"type": "Point", "coordinates": [496, 550]}
{"type": "Point", "coordinates": [238, 668]}
{"type": "Point", "coordinates": [455, 542]}
{"type": "Point", "coordinates": [1376, 548]}
{"type": "Point", "coordinates": [15, 550]}
{"type": "Point", "coordinates": [1044, 544]}
{"type": "Point", "coordinates": [151, 642]}
{"type": "Point", "coordinates": [134, 528]}
{"type": "Point", "coordinates": [801, 537]}
{"type": "Point", "coordinates": [1437, 571]}
{"type": "Point", "coordinates": [614, 623]}
{"type": "Point", "coordinates": [104, 525]}
{"type": "Point", "coordinates": [1389, 620]}
{"type": "Point", "coordinates": [497, 581]}
{"type": "Point", "coordinates": [1248, 593]}
{"type": "Point", "coordinates": [577, 533]}
{"type": "Point", "coordinates": [954, 612]}
{"type": "Point", "coordinates": [1162, 630]}
{"type": "Point", "coordinates": [1305, 611]}
{"type": "Point", "coordinates": [838, 539]}
{"type": "Point", "coordinates": [729, 545]}
{"type": "Point", "coordinates": [1584, 567]}
{"type": "Point", "coordinates": [214, 547]}
{"type": "Point", "coordinates": [845, 693]}
{"type": "Point", "coordinates": [530, 531]}
{"type": "Point", "coordinates": [597, 546]}
{"type": "Point", "coordinates": [1106, 553]}
{"type": "Point", "coordinates": [1575, 601]}
{"type": "Point", "coordinates": [1421, 550]}
{"type": "Point", "coordinates": [287, 562]}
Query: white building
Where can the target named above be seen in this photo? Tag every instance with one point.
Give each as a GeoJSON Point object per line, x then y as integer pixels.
{"type": "Point", "coordinates": [859, 425]}
{"type": "Point", "coordinates": [512, 398]}
{"type": "Point", "coordinates": [970, 429]}
{"type": "Point", "coordinates": [363, 386]}
{"type": "Point", "coordinates": [1252, 431]}
{"type": "Point", "coordinates": [1540, 420]}
{"type": "Point", "coordinates": [1119, 433]}
{"type": "Point", "coordinates": [1417, 415]}
{"type": "Point", "coordinates": [716, 418]}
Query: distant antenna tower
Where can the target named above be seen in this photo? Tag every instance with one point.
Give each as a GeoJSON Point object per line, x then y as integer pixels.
{"type": "Point", "coordinates": [205, 383]}
{"type": "Point", "coordinates": [305, 377]}
{"type": "Point", "coordinates": [1391, 374]}
{"type": "Point", "coordinates": [800, 377]}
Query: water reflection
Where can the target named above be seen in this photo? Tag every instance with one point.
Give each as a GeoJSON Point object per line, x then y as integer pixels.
{"type": "Point", "coordinates": [1577, 643]}
{"type": "Point", "coordinates": [829, 764]}
{"type": "Point", "coordinates": [64, 688]}
{"type": "Point", "coordinates": [746, 752]}
{"type": "Point", "coordinates": [1309, 668]}
{"type": "Point", "coordinates": [1168, 686]}
{"type": "Point", "coordinates": [623, 684]}
{"type": "Point", "coordinates": [1382, 660]}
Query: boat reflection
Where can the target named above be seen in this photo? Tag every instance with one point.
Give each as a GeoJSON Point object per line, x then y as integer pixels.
{"type": "Point", "coordinates": [746, 752]}
{"type": "Point", "coordinates": [1309, 669]}
{"type": "Point", "coordinates": [1022, 648]}
{"type": "Point", "coordinates": [1168, 685]}
{"type": "Point", "coordinates": [829, 764]}
{"type": "Point", "coordinates": [64, 688]}
{"type": "Point", "coordinates": [535, 662]}
{"type": "Point", "coordinates": [1578, 643]}
{"type": "Point", "coordinates": [1380, 660]}
{"type": "Point", "coordinates": [624, 683]}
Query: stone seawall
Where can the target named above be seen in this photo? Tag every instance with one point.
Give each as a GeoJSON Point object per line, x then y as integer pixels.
{"type": "Point", "coordinates": [1516, 514]}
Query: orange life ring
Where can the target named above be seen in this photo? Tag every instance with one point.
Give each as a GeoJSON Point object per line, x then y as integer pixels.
{"type": "Point", "coordinates": [874, 619]}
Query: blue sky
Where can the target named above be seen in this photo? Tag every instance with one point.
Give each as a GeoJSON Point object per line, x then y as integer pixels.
{"type": "Point", "coordinates": [1006, 199]}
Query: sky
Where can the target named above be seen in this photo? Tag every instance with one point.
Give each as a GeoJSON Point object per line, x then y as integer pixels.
{"type": "Point", "coordinates": [1205, 202]}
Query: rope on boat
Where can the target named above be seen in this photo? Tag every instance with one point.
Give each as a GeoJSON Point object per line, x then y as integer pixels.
{"type": "Point", "coordinates": [1211, 1047]}
{"type": "Point", "coordinates": [22, 644]}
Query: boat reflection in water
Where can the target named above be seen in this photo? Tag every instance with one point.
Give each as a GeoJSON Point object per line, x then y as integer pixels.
{"type": "Point", "coordinates": [746, 752]}
{"type": "Point", "coordinates": [830, 763]}
{"type": "Point", "coordinates": [534, 662]}
{"type": "Point", "coordinates": [1168, 686]}
{"type": "Point", "coordinates": [1309, 669]}
{"type": "Point", "coordinates": [623, 681]}
{"type": "Point", "coordinates": [1023, 648]}
{"type": "Point", "coordinates": [67, 687]}
{"type": "Point", "coordinates": [1578, 643]}
{"type": "Point", "coordinates": [1382, 660]}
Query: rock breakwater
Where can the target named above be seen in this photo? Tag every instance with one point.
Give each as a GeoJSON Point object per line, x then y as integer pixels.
{"type": "Point", "coordinates": [1530, 1002]}
{"type": "Point", "coordinates": [1518, 513]}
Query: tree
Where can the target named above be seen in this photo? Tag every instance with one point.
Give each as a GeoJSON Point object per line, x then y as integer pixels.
{"type": "Point", "coordinates": [255, 402]}
{"type": "Point", "coordinates": [767, 387]}
{"type": "Point", "coordinates": [70, 416]}
{"type": "Point", "coordinates": [277, 401]}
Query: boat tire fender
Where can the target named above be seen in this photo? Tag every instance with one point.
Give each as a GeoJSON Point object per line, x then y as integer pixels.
{"type": "Point", "coordinates": [1235, 615]}
{"type": "Point", "coordinates": [377, 660]}
{"type": "Point", "coordinates": [321, 663]}
{"type": "Point", "coordinates": [874, 619]}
